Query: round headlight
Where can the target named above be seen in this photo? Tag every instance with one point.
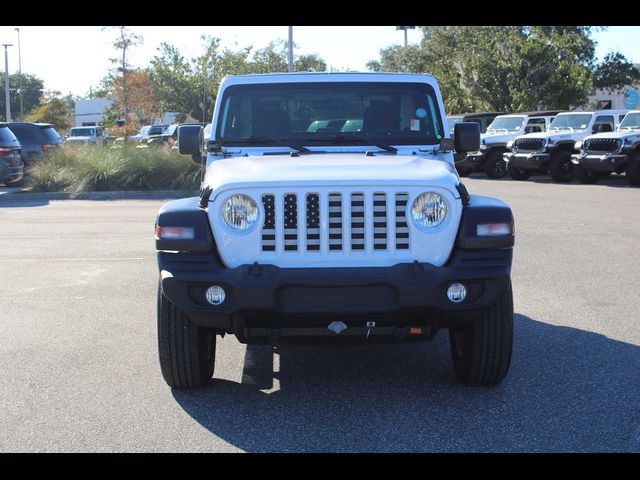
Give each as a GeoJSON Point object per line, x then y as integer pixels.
{"type": "Point", "coordinates": [240, 212]}
{"type": "Point", "coordinates": [429, 210]}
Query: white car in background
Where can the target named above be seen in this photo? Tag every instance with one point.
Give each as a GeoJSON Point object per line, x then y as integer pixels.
{"type": "Point", "coordinates": [86, 135]}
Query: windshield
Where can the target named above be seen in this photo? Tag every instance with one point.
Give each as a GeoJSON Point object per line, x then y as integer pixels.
{"type": "Point", "coordinates": [171, 129]}
{"type": "Point", "coordinates": [510, 124]}
{"type": "Point", "coordinates": [452, 122]}
{"type": "Point", "coordinates": [51, 135]}
{"type": "Point", "coordinates": [82, 132]}
{"type": "Point", "coordinates": [575, 121]}
{"type": "Point", "coordinates": [632, 120]}
{"type": "Point", "coordinates": [329, 113]}
{"type": "Point", "coordinates": [155, 130]}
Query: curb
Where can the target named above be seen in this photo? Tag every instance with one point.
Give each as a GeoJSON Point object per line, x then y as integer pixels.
{"type": "Point", "coordinates": [113, 195]}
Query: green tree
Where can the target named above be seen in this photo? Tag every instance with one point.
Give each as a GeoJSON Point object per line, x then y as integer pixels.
{"type": "Point", "coordinates": [52, 109]}
{"type": "Point", "coordinates": [124, 41]}
{"type": "Point", "coordinates": [191, 85]}
{"type": "Point", "coordinates": [32, 88]}
{"type": "Point", "coordinates": [615, 72]}
{"type": "Point", "coordinates": [505, 68]}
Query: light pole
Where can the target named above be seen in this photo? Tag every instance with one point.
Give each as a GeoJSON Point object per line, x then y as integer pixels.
{"type": "Point", "coordinates": [20, 72]}
{"type": "Point", "coordinates": [6, 81]}
{"type": "Point", "coordinates": [291, 49]}
{"type": "Point", "coordinates": [405, 34]}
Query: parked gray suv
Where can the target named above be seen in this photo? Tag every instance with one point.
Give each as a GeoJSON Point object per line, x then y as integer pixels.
{"type": "Point", "coordinates": [35, 138]}
{"type": "Point", "coordinates": [11, 165]}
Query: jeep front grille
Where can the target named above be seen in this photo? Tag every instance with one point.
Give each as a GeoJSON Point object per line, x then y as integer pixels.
{"type": "Point", "coordinates": [529, 144]}
{"type": "Point", "coordinates": [601, 145]}
{"type": "Point", "coordinates": [353, 222]}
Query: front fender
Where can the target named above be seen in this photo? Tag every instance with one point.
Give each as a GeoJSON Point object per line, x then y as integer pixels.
{"type": "Point", "coordinates": [185, 212]}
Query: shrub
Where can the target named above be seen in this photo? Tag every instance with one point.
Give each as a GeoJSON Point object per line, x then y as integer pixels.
{"type": "Point", "coordinates": [86, 168]}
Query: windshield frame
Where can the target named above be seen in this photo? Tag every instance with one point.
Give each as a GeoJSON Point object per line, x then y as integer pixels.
{"type": "Point", "coordinates": [432, 106]}
{"type": "Point", "coordinates": [75, 134]}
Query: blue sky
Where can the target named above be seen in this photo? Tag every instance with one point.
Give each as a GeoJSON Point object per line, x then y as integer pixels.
{"type": "Point", "coordinates": [77, 57]}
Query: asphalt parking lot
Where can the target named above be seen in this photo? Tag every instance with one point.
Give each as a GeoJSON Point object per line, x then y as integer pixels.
{"type": "Point", "coordinates": [79, 368]}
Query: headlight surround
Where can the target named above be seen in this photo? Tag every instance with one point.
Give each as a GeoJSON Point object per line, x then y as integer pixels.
{"type": "Point", "coordinates": [429, 210]}
{"type": "Point", "coordinates": [577, 145]}
{"type": "Point", "coordinates": [240, 212]}
{"type": "Point", "coordinates": [509, 144]}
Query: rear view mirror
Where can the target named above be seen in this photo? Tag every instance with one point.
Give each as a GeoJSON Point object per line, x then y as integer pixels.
{"type": "Point", "coordinates": [190, 140]}
{"type": "Point", "coordinates": [466, 137]}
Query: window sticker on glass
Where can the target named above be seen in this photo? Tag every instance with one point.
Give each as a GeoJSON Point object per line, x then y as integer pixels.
{"type": "Point", "coordinates": [421, 113]}
{"type": "Point", "coordinates": [415, 125]}
{"type": "Point", "coordinates": [584, 125]}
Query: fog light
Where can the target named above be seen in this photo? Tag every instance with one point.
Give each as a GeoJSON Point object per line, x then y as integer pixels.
{"type": "Point", "coordinates": [456, 292]}
{"type": "Point", "coordinates": [215, 295]}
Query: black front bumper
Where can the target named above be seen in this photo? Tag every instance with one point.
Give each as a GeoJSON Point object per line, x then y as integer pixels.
{"type": "Point", "coordinates": [473, 160]}
{"type": "Point", "coordinates": [601, 163]}
{"type": "Point", "coordinates": [272, 297]}
{"type": "Point", "coordinates": [527, 161]}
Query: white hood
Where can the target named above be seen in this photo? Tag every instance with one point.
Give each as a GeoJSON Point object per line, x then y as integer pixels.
{"type": "Point", "coordinates": [329, 169]}
{"type": "Point", "coordinates": [497, 138]}
{"type": "Point", "coordinates": [632, 135]}
{"type": "Point", "coordinates": [558, 136]}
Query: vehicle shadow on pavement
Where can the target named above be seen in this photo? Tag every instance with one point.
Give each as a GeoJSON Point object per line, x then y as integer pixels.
{"type": "Point", "coordinates": [616, 181]}
{"type": "Point", "coordinates": [22, 204]}
{"type": "Point", "coordinates": [567, 390]}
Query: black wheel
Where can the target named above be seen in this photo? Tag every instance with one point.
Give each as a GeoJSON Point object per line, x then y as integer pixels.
{"type": "Point", "coordinates": [187, 352]}
{"type": "Point", "coordinates": [585, 176]}
{"type": "Point", "coordinates": [560, 166]}
{"type": "Point", "coordinates": [633, 170]}
{"type": "Point", "coordinates": [518, 173]}
{"type": "Point", "coordinates": [481, 349]}
{"type": "Point", "coordinates": [464, 171]}
{"type": "Point", "coordinates": [494, 166]}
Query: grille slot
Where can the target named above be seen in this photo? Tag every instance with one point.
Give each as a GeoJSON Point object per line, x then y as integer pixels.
{"type": "Point", "coordinates": [335, 221]}
{"type": "Point", "coordinates": [290, 222]}
{"type": "Point", "coordinates": [379, 221]}
{"type": "Point", "coordinates": [402, 229]}
{"type": "Point", "coordinates": [357, 221]}
{"type": "Point", "coordinates": [313, 222]}
{"type": "Point", "coordinates": [269, 226]}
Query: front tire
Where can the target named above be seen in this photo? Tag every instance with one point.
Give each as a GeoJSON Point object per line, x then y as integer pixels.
{"type": "Point", "coordinates": [187, 352]}
{"type": "Point", "coordinates": [481, 349]}
{"type": "Point", "coordinates": [585, 176]}
{"type": "Point", "coordinates": [633, 170]}
{"type": "Point", "coordinates": [560, 166]}
{"type": "Point", "coordinates": [464, 171]}
{"type": "Point", "coordinates": [494, 166]}
{"type": "Point", "coordinates": [518, 173]}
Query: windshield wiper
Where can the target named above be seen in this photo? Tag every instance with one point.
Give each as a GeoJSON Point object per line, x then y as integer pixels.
{"type": "Point", "coordinates": [347, 139]}
{"type": "Point", "coordinates": [266, 141]}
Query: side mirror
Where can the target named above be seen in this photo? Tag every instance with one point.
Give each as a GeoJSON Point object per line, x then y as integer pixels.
{"type": "Point", "coordinates": [190, 140]}
{"type": "Point", "coordinates": [466, 137]}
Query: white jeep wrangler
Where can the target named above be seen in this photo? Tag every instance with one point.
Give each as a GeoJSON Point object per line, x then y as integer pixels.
{"type": "Point", "coordinates": [494, 143]}
{"type": "Point", "coordinates": [331, 209]}
{"type": "Point", "coordinates": [605, 153]}
{"type": "Point", "coordinates": [551, 151]}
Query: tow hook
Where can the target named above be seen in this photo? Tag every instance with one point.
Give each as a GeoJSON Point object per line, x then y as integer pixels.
{"type": "Point", "coordinates": [370, 327]}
